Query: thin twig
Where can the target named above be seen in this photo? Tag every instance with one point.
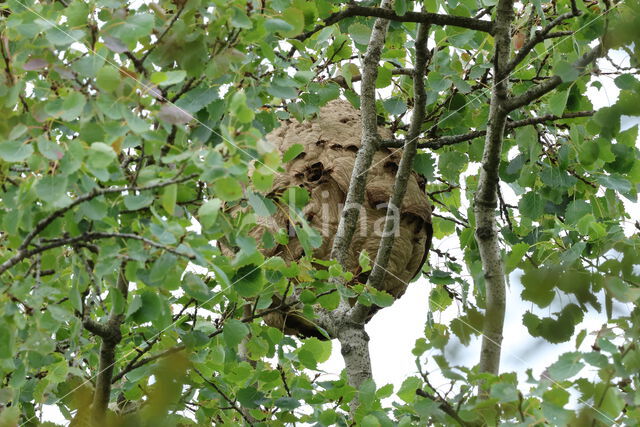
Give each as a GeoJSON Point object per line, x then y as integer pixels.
{"type": "Point", "coordinates": [43, 223]}
{"type": "Point", "coordinates": [232, 403]}
{"type": "Point", "coordinates": [443, 141]}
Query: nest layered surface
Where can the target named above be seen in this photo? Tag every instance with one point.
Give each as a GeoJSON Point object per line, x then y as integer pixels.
{"type": "Point", "coordinates": [324, 168]}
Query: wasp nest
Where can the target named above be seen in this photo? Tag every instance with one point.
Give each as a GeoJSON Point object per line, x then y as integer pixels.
{"type": "Point", "coordinates": [331, 141]}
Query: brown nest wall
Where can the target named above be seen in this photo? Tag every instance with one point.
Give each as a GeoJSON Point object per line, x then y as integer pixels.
{"type": "Point", "coordinates": [324, 168]}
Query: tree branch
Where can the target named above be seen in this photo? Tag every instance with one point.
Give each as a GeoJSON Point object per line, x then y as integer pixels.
{"type": "Point", "coordinates": [485, 201]}
{"type": "Point", "coordinates": [538, 37]}
{"type": "Point", "coordinates": [111, 337]}
{"type": "Point", "coordinates": [136, 362]}
{"type": "Point", "coordinates": [443, 141]}
{"type": "Point", "coordinates": [443, 405]}
{"type": "Point", "coordinates": [164, 33]}
{"type": "Point", "coordinates": [369, 145]}
{"type": "Point", "coordinates": [548, 85]}
{"type": "Point", "coordinates": [395, 72]}
{"type": "Point", "coordinates": [43, 223]}
{"type": "Point", "coordinates": [403, 174]}
{"type": "Point", "coordinates": [388, 14]}
{"type": "Point", "coordinates": [83, 238]}
{"type": "Point", "coordinates": [232, 403]}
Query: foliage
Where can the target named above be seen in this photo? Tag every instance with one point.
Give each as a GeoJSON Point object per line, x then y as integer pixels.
{"type": "Point", "coordinates": [128, 132]}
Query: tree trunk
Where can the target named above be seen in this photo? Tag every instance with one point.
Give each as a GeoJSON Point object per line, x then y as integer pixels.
{"type": "Point", "coordinates": [485, 202]}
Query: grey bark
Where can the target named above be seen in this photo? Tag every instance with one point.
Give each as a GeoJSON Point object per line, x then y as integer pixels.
{"type": "Point", "coordinates": [404, 170]}
{"type": "Point", "coordinates": [111, 336]}
{"type": "Point", "coordinates": [352, 336]}
{"type": "Point", "coordinates": [485, 202]}
{"type": "Point", "coordinates": [370, 141]}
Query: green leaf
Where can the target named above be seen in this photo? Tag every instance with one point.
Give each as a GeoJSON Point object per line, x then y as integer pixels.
{"type": "Point", "coordinates": [150, 307]}
{"type": "Point", "coordinates": [227, 189]}
{"type": "Point", "coordinates": [538, 286]}
{"type": "Point", "coordinates": [262, 179]}
{"type": "Point", "coordinates": [452, 164]}
{"type": "Point", "coordinates": [195, 287]}
{"type": "Point", "coordinates": [50, 150]}
{"type": "Point", "coordinates": [249, 281]}
{"type": "Point", "coordinates": [208, 212]}
{"type": "Point", "coordinates": [276, 25]}
{"type": "Point", "coordinates": [408, 389]}
{"type": "Point", "coordinates": [285, 92]}
{"type": "Point", "coordinates": [527, 138]}
{"type": "Point", "coordinates": [566, 71]}
{"type": "Point", "coordinates": [531, 205]}
{"type": "Point", "coordinates": [439, 299]}
{"type": "Point", "coordinates": [320, 350]}
{"type": "Point", "coordinates": [100, 155]}
{"type": "Point", "coordinates": [132, 29]}
{"type": "Point", "coordinates": [515, 256]}
{"type": "Point", "coordinates": [567, 366]}
{"type": "Point", "coordinates": [295, 197]}
{"type": "Point", "coordinates": [401, 7]}
{"type": "Point", "coordinates": [234, 332]}
{"type": "Point", "coordinates": [556, 177]}
{"type": "Point", "coordinates": [73, 105]}
{"type": "Point", "coordinates": [196, 99]}
{"type": "Point", "coordinates": [504, 392]}
{"type": "Point", "coordinates": [620, 290]}
{"type": "Point", "coordinates": [287, 403]}
{"type": "Point", "coordinates": [6, 342]}
{"type": "Point", "coordinates": [15, 151]}
{"type": "Point", "coordinates": [424, 164]}
{"type": "Point", "coordinates": [613, 182]}
{"type": "Point", "coordinates": [292, 152]}
{"type": "Point", "coordinates": [51, 188]}
{"type": "Point", "coordinates": [360, 33]}
{"type": "Point", "coordinates": [261, 205]}
{"type": "Point", "coordinates": [159, 275]}
{"type": "Point", "coordinates": [394, 105]}
{"type": "Point", "coordinates": [168, 78]}
{"type": "Point", "coordinates": [239, 19]}
{"type": "Point", "coordinates": [108, 78]}
{"type": "Point", "coordinates": [381, 298]}
{"type": "Point", "coordinates": [295, 18]}
{"type": "Point", "coordinates": [576, 210]}
{"type": "Point", "coordinates": [364, 261]}
{"type": "Point", "coordinates": [309, 237]}
{"type": "Point", "coordinates": [168, 198]}
{"type": "Point", "coordinates": [626, 82]}
{"type": "Point", "coordinates": [370, 421]}
{"type": "Point", "coordinates": [558, 102]}
{"type": "Point", "coordinates": [134, 202]}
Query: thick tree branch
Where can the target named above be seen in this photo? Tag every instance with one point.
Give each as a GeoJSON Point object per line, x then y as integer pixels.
{"type": "Point", "coordinates": [111, 336]}
{"type": "Point", "coordinates": [404, 171]}
{"type": "Point", "coordinates": [369, 145]}
{"type": "Point", "coordinates": [485, 201]}
{"type": "Point", "coordinates": [388, 14]}
{"type": "Point", "coordinates": [548, 85]}
{"type": "Point", "coordinates": [443, 141]}
{"type": "Point", "coordinates": [352, 336]}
